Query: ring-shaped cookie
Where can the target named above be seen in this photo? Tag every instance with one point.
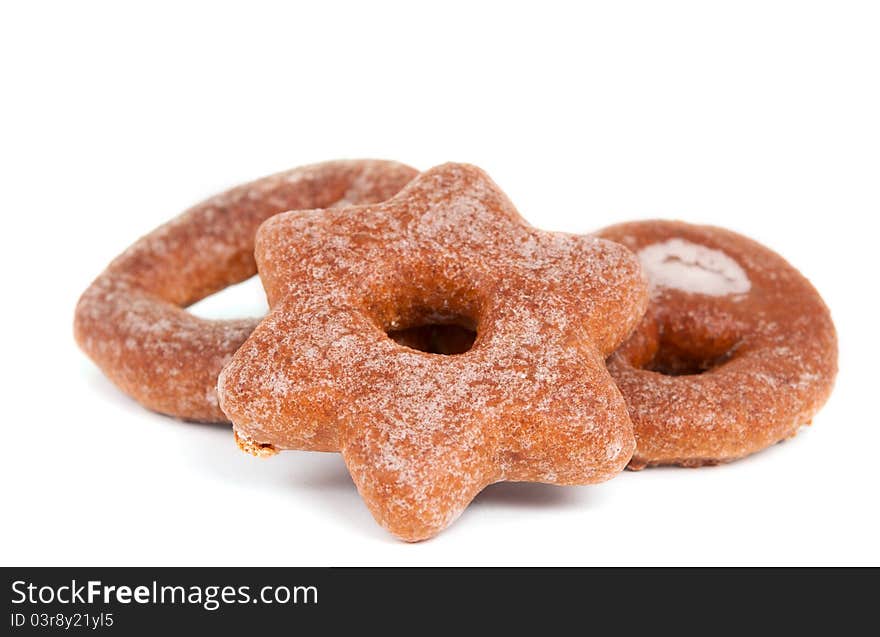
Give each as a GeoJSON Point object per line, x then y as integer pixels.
{"type": "Point", "coordinates": [736, 352]}
{"type": "Point", "coordinates": [131, 320]}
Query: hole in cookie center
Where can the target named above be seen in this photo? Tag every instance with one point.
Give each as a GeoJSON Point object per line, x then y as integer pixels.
{"type": "Point", "coordinates": [433, 307]}
{"type": "Point", "coordinates": [455, 336]}
{"type": "Point", "coordinates": [671, 359]}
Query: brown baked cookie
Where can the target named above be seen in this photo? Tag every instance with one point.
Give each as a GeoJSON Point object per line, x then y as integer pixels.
{"type": "Point", "coordinates": [130, 321]}
{"type": "Point", "coordinates": [529, 399]}
{"type": "Point", "coordinates": [736, 352]}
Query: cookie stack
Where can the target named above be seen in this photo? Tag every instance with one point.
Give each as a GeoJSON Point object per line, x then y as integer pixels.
{"type": "Point", "coordinates": [420, 327]}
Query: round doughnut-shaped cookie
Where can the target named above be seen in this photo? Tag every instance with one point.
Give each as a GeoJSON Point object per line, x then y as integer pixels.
{"type": "Point", "coordinates": [131, 320]}
{"type": "Point", "coordinates": [737, 350]}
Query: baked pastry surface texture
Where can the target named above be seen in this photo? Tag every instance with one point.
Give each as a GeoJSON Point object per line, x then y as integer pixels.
{"type": "Point", "coordinates": [422, 433]}
{"type": "Point", "coordinates": [131, 320]}
{"type": "Point", "coordinates": [737, 350]}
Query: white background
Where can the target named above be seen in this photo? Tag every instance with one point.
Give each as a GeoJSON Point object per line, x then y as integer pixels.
{"type": "Point", "coordinates": [760, 116]}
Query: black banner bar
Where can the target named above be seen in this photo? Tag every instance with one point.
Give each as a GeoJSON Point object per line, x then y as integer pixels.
{"type": "Point", "coordinates": [130, 601]}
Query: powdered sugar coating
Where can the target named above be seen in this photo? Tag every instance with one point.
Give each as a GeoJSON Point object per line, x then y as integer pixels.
{"type": "Point", "coordinates": [769, 351]}
{"type": "Point", "coordinates": [423, 433]}
{"type": "Point", "coordinates": [689, 267]}
{"type": "Point", "coordinates": [130, 321]}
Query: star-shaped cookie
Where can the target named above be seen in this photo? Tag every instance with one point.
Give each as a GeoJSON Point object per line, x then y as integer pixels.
{"type": "Point", "coordinates": [422, 433]}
